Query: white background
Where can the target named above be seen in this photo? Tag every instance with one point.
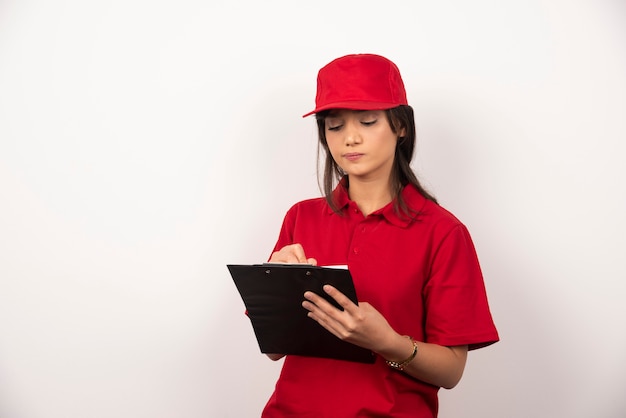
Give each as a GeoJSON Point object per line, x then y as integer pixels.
{"type": "Point", "coordinates": [146, 144]}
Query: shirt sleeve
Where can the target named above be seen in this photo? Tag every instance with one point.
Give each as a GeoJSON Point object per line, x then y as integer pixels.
{"type": "Point", "coordinates": [456, 305]}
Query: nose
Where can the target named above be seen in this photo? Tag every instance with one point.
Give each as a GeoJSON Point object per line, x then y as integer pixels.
{"type": "Point", "coordinates": [352, 134]}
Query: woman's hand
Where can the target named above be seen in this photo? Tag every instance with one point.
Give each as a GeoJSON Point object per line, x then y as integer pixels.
{"type": "Point", "coordinates": [292, 254]}
{"type": "Point", "coordinates": [360, 324]}
{"type": "Point", "coordinates": [364, 326]}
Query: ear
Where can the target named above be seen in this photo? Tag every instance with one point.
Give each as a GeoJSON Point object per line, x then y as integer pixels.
{"type": "Point", "coordinates": [401, 132]}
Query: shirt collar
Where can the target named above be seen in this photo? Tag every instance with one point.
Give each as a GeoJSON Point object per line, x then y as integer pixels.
{"type": "Point", "coordinates": [412, 197]}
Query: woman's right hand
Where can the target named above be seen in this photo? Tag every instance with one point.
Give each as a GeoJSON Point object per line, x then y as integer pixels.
{"type": "Point", "coordinates": [291, 254]}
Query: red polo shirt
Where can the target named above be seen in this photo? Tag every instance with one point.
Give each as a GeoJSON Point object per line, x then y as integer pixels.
{"type": "Point", "coordinates": [422, 275]}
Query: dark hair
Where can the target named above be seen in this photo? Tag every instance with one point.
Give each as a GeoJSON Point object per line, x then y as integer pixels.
{"type": "Point", "coordinates": [399, 118]}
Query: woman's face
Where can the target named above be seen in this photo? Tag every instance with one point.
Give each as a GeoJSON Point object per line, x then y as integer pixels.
{"type": "Point", "coordinates": [361, 143]}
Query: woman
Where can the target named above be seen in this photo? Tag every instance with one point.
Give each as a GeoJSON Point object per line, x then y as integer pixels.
{"type": "Point", "coordinates": [422, 300]}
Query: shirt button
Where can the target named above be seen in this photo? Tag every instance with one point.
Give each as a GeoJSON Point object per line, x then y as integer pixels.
{"type": "Point", "coordinates": [356, 250]}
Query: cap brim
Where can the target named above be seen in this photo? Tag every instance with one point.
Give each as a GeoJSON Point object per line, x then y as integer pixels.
{"type": "Point", "coordinates": [354, 105]}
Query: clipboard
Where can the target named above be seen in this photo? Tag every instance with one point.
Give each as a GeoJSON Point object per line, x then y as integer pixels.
{"type": "Point", "coordinates": [273, 294]}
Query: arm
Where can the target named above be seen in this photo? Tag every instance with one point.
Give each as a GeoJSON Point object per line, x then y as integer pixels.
{"type": "Point", "coordinates": [366, 327]}
{"type": "Point", "coordinates": [434, 364]}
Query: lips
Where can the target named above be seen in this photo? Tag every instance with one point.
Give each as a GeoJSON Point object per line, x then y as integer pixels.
{"type": "Point", "coordinates": [352, 156]}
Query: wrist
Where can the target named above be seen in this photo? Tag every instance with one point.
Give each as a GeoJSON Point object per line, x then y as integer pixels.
{"type": "Point", "coordinates": [400, 363]}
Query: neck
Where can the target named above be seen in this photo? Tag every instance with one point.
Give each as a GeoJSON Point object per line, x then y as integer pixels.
{"type": "Point", "coordinates": [370, 195]}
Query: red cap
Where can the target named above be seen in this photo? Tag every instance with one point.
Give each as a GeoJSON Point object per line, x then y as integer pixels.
{"type": "Point", "coordinates": [359, 82]}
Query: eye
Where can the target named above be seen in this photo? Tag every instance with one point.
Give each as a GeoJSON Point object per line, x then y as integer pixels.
{"type": "Point", "coordinates": [369, 118]}
{"type": "Point", "coordinates": [334, 124]}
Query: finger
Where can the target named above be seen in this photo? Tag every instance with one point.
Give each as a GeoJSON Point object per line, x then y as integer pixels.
{"type": "Point", "coordinates": [324, 311]}
{"type": "Point", "coordinates": [298, 253]}
{"type": "Point", "coordinates": [283, 256]}
{"type": "Point", "coordinates": [289, 254]}
{"type": "Point", "coordinates": [340, 298]}
{"type": "Point", "coordinates": [327, 323]}
{"type": "Point", "coordinates": [317, 301]}
{"type": "Point", "coordinates": [291, 257]}
{"type": "Point", "coordinates": [330, 309]}
{"type": "Point", "coordinates": [320, 307]}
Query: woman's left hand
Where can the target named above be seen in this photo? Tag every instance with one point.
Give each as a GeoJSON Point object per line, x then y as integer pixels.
{"type": "Point", "coordinates": [360, 324]}
{"type": "Point", "coordinates": [364, 326]}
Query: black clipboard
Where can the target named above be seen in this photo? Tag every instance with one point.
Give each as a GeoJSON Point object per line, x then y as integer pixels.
{"type": "Point", "coordinates": [273, 295]}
